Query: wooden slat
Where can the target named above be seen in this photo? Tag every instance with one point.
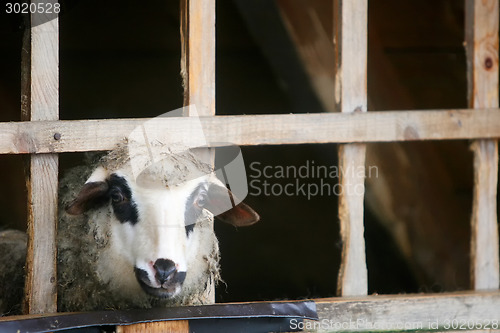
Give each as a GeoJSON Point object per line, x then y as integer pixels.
{"type": "Point", "coordinates": [198, 54]}
{"type": "Point", "coordinates": [177, 326]}
{"type": "Point", "coordinates": [418, 312]}
{"type": "Point", "coordinates": [94, 135]}
{"type": "Point", "coordinates": [198, 69]}
{"type": "Point", "coordinates": [353, 276]}
{"type": "Point", "coordinates": [482, 67]}
{"type": "Point", "coordinates": [198, 61]}
{"type": "Point", "coordinates": [484, 229]}
{"type": "Point", "coordinates": [42, 176]}
{"type": "Point", "coordinates": [351, 31]}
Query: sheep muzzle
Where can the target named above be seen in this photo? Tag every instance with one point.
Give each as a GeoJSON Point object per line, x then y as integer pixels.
{"type": "Point", "coordinates": [168, 282]}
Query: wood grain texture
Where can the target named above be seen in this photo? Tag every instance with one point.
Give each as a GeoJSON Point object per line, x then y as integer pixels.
{"type": "Point", "coordinates": [484, 228]}
{"type": "Point", "coordinates": [481, 33]}
{"type": "Point", "coordinates": [351, 39]}
{"type": "Point", "coordinates": [198, 54]}
{"type": "Point", "coordinates": [176, 326]}
{"type": "Point", "coordinates": [482, 73]}
{"type": "Point", "coordinates": [417, 312]}
{"type": "Point", "coordinates": [41, 271]}
{"type": "Point", "coordinates": [198, 71]}
{"type": "Point", "coordinates": [42, 179]}
{"type": "Point", "coordinates": [198, 61]}
{"type": "Point", "coordinates": [94, 135]}
{"type": "Point", "coordinates": [353, 275]}
{"type": "Point", "coordinates": [351, 32]}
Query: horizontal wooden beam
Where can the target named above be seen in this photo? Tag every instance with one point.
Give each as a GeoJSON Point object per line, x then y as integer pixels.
{"type": "Point", "coordinates": [464, 311]}
{"type": "Point", "coordinates": [456, 311]}
{"type": "Point", "coordinates": [94, 135]}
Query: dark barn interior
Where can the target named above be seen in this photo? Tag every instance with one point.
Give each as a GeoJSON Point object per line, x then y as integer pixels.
{"type": "Point", "coordinates": [121, 59]}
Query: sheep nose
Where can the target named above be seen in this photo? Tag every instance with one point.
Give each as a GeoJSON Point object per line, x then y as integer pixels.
{"type": "Point", "coordinates": [164, 269]}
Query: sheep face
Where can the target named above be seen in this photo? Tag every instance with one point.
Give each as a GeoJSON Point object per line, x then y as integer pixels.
{"type": "Point", "coordinates": [154, 242]}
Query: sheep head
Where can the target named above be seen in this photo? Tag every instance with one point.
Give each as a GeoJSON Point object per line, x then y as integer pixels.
{"type": "Point", "coordinates": [152, 217]}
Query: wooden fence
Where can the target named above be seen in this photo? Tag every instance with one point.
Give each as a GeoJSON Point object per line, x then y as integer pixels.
{"type": "Point", "coordinates": [43, 136]}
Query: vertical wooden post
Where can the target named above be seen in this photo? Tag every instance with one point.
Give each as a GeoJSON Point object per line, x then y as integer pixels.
{"type": "Point", "coordinates": [40, 84]}
{"type": "Point", "coordinates": [198, 59]}
{"type": "Point", "coordinates": [198, 69]}
{"type": "Point", "coordinates": [350, 39]}
{"type": "Point", "coordinates": [198, 54]}
{"type": "Point", "coordinates": [482, 74]}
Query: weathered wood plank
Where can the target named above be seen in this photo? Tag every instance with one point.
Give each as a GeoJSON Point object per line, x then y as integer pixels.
{"type": "Point", "coordinates": [42, 176]}
{"type": "Point", "coordinates": [41, 276]}
{"type": "Point", "coordinates": [351, 31]}
{"type": "Point", "coordinates": [198, 70]}
{"type": "Point", "coordinates": [198, 61]}
{"type": "Point", "coordinates": [198, 54]}
{"type": "Point", "coordinates": [176, 326]}
{"type": "Point", "coordinates": [353, 279]}
{"type": "Point", "coordinates": [482, 74]}
{"type": "Point", "coordinates": [484, 227]}
{"type": "Point", "coordinates": [429, 312]}
{"type": "Point", "coordinates": [94, 135]}
{"type": "Point", "coordinates": [350, 40]}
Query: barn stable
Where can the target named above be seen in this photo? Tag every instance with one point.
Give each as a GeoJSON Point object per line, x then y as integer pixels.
{"type": "Point", "coordinates": [368, 133]}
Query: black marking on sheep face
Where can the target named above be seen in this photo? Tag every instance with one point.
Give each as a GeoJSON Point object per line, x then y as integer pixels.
{"type": "Point", "coordinates": [124, 206]}
{"type": "Point", "coordinates": [168, 289]}
{"type": "Point", "coordinates": [194, 207]}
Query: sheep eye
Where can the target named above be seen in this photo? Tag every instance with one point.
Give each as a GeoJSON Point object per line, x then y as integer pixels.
{"type": "Point", "coordinates": [117, 196]}
{"type": "Point", "coordinates": [202, 199]}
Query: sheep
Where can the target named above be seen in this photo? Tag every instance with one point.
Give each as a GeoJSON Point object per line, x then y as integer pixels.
{"type": "Point", "coordinates": [129, 239]}
{"type": "Point", "coordinates": [13, 246]}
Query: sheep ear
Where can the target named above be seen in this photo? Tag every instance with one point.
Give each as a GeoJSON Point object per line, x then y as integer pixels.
{"type": "Point", "coordinates": [91, 195]}
{"type": "Point", "coordinates": [222, 203]}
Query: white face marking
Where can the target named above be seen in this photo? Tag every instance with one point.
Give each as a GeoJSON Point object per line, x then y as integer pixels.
{"type": "Point", "coordinates": [160, 232]}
